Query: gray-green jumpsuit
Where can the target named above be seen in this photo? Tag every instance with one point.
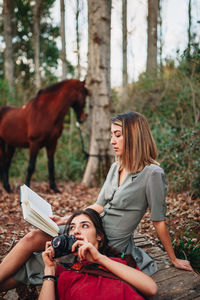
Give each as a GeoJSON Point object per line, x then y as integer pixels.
{"type": "Point", "coordinates": [124, 207]}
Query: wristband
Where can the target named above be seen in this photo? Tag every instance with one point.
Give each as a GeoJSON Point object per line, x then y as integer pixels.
{"type": "Point", "coordinates": [49, 277]}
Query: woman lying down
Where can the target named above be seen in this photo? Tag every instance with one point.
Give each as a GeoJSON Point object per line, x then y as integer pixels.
{"type": "Point", "coordinates": [99, 271]}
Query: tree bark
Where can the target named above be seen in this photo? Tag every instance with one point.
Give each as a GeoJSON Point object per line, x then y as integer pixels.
{"type": "Point", "coordinates": [160, 35]}
{"type": "Point", "coordinates": [8, 53]}
{"type": "Point", "coordinates": [124, 42]}
{"type": "Point", "coordinates": [62, 33]}
{"type": "Point", "coordinates": [189, 28]}
{"type": "Point", "coordinates": [36, 41]}
{"type": "Point", "coordinates": [78, 39]}
{"type": "Point", "coordinates": [98, 84]}
{"type": "Point", "coordinates": [152, 36]}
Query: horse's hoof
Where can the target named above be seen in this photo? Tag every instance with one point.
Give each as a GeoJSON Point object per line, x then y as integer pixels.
{"type": "Point", "coordinates": [55, 189]}
{"type": "Point", "coordinates": [7, 188]}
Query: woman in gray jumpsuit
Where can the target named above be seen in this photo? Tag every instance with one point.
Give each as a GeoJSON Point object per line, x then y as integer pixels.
{"type": "Point", "coordinates": [135, 181]}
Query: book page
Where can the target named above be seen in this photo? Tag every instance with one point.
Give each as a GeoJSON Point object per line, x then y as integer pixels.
{"type": "Point", "coordinates": [36, 202]}
{"type": "Point", "coordinates": [37, 211]}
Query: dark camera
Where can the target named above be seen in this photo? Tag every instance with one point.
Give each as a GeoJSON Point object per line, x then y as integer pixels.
{"type": "Point", "coordinates": [62, 244]}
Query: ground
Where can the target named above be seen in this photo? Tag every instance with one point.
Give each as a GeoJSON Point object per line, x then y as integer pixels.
{"type": "Point", "coordinates": [183, 213]}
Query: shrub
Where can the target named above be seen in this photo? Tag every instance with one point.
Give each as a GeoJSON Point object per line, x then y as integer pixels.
{"type": "Point", "coordinates": [170, 102]}
{"type": "Point", "coordinates": [189, 249]}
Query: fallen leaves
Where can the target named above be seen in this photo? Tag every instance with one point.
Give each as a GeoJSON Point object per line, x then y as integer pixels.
{"type": "Point", "coordinates": [182, 215]}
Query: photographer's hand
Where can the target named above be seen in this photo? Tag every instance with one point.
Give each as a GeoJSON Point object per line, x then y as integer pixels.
{"type": "Point", "coordinates": [87, 251]}
{"type": "Point", "coordinates": [49, 261]}
{"type": "Point", "coordinates": [59, 220]}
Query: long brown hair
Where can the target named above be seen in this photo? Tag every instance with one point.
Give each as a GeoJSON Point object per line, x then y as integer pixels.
{"type": "Point", "coordinates": [104, 248]}
{"type": "Point", "coordinates": [139, 146]}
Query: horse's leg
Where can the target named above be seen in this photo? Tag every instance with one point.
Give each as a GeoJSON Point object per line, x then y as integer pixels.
{"type": "Point", "coordinates": [34, 148]}
{"type": "Point", "coordinates": [9, 154]}
{"type": "Point", "coordinates": [50, 154]}
{"type": "Point", "coordinates": [2, 158]}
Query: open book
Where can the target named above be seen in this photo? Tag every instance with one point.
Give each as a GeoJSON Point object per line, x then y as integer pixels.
{"type": "Point", "coordinates": [37, 211]}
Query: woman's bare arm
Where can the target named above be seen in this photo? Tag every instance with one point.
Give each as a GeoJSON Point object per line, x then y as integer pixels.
{"type": "Point", "coordinates": [164, 237]}
{"type": "Point", "coordinates": [136, 278]}
{"type": "Point", "coordinates": [48, 287]}
{"type": "Point", "coordinates": [97, 207]}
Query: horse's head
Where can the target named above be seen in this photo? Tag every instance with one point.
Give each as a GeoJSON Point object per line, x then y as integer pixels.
{"type": "Point", "coordinates": [80, 100]}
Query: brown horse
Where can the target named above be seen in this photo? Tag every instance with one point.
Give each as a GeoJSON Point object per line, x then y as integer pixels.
{"type": "Point", "coordinates": [39, 124]}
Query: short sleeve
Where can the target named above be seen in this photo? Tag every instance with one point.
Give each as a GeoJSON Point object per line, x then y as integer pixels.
{"type": "Point", "coordinates": [156, 194]}
{"type": "Point", "coordinates": [101, 200]}
{"type": "Point", "coordinates": [106, 192]}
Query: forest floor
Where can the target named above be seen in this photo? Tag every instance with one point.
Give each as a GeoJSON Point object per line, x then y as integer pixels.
{"type": "Point", "coordinates": [183, 216]}
{"type": "Point", "coordinates": [183, 213]}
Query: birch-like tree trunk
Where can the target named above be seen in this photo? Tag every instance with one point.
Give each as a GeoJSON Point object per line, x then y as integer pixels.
{"type": "Point", "coordinates": [152, 36]}
{"type": "Point", "coordinates": [78, 39]}
{"type": "Point", "coordinates": [124, 43]}
{"type": "Point", "coordinates": [189, 27]}
{"type": "Point", "coordinates": [62, 33]}
{"type": "Point", "coordinates": [98, 83]}
{"type": "Point", "coordinates": [36, 41]}
{"type": "Point", "coordinates": [8, 53]}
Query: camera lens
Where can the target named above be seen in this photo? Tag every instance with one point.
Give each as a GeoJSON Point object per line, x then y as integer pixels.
{"type": "Point", "coordinates": [56, 242]}
{"type": "Point", "coordinates": [62, 244]}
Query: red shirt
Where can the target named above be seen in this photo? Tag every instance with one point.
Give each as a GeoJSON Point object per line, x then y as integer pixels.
{"type": "Point", "coordinates": [78, 286]}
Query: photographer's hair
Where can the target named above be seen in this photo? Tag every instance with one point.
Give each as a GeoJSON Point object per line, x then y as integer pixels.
{"type": "Point", "coordinates": [104, 248]}
{"type": "Point", "coordinates": [139, 146]}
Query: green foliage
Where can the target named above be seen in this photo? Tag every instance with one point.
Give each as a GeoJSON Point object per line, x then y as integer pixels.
{"type": "Point", "coordinates": [5, 95]}
{"type": "Point", "coordinates": [171, 103]}
{"type": "Point", "coordinates": [23, 47]}
{"type": "Point", "coordinates": [179, 156]}
{"type": "Point", "coordinates": [189, 249]}
{"type": "Point", "coordinates": [23, 42]}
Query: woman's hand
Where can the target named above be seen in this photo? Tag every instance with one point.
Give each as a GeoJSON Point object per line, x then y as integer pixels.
{"type": "Point", "coordinates": [49, 261]}
{"type": "Point", "coordinates": [87, 251]}
{"type": "Point", "coordinates": [163, 234]}
{"type": "Point", "coordinates": [182, 264]}
{"type": "Point", "coordinates": [59, 220]}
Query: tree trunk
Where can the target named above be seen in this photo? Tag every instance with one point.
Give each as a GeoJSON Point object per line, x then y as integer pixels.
{"type": "Point", "coordinates": [8, 53]}
{"type": "Point", "coordinates": [189, 27]}
{"type": "Point", "coordinates": [98, 83]}
{"type": "Point", "coordinates": [160, 35]}
{"type": "Point", "coordinates": [78, 40]}
{"type": "Point", "coordinates": [152, 36]}
{"type": "Point", "coordinates": [36, 41]}
{"type": "Point", "coordinates": [124, 42]}
{"type": "Point", "coordinates": [62, 33]}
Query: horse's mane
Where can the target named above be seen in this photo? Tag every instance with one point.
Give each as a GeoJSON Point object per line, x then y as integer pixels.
{"type": "Point", "coordinates": [51, 88]}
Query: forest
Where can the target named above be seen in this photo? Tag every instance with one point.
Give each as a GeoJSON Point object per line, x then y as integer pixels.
{"type": "Point", "coordinates": [167, 93]}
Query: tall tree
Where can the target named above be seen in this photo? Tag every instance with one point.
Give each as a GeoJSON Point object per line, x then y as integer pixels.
{"type": "Point", "coordinates": [36, 41]}
{"type": "Point", "coordinates": [189, 27]}
{"type": "Point", "coordinates": [22, 45]}
{"type": "Point", "coordinates": [160, 38]}
{"type": "Point", "coordinates": [62, 33]}
{"type": "Point", "coordinates": [98, 84]}
{"type": "Point", "coordinates": [78, 39]}
{"type": "Point", "coordinates": [152, 35]}
{"type": "Point", "coordinates": [8, 53]}
{"type": "Point", "coordinates": [124, 43]}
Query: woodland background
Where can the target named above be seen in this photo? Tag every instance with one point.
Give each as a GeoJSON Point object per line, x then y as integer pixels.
{"type": "Point", "coordinates": [167, 93]}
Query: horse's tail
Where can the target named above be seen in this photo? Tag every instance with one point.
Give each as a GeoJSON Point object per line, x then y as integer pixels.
{"type": "Point", "coordinates": [3, 110]}
{"type": "Point", "coordinates": [2, 150]}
